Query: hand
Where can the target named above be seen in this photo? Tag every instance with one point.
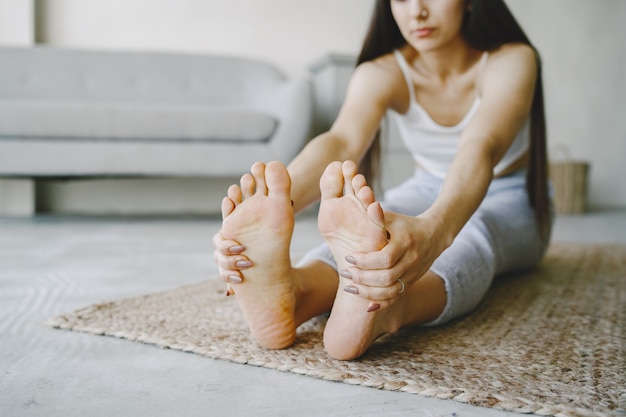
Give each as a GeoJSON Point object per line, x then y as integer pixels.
{"type": "Point", "coordinates": [413, 247]}
{"type": "Point", "coordinates": [229, 257]}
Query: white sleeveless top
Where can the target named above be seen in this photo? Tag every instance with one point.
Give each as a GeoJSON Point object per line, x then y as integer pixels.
{"type": "Point", "coordinates": [434, 146]}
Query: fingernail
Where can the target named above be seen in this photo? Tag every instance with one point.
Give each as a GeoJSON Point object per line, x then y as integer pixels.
{"type": "Point", "coordinates": [350, 260]}
{"type": "Point", "coordinates": [345, 274]}
{"type": "Point", "coordinates": [243, 264]}
{"type": "Point", "coordinates": [235, 279]}
{"type": "Point", "coordinates": [351, 289]}
{"type": "Point", "coordinates": [236, 249]}
{"type": "Point", "coordinates": [373, 307]}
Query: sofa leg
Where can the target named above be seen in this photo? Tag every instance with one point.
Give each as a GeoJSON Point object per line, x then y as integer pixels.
{"type": "Point", "coordinates": [17, 197]}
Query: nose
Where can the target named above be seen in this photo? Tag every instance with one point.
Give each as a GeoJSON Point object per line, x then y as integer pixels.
{"type": "Point", "coordinates": [419, 8]}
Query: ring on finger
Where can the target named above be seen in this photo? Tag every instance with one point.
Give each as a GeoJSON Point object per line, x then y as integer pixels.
{"type": "Point", "coordinates": [401, 283]}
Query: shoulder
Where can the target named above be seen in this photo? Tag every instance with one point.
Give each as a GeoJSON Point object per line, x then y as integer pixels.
{"type": "Point", "coordinates": [380, 79]}
{"type": "Point", "coordinates": [512, 55]}
{"type": "Point", "coordinates": [511, 64]}
{"type": "Point", "coordinates": [385, 67]}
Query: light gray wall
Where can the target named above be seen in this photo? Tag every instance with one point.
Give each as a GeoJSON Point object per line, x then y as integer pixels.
{"type": "Point", "coordinates": [291, 33]}
{"type": "Point", "coordinates": [583, 47]}
{"type": "Point", "coordinates": [581, 41]}
{"type": "Point", "coordinates": [16, 22]}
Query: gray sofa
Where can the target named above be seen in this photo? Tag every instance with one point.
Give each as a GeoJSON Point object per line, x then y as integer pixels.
{"type": "Point", "coordinates": [77, 113]}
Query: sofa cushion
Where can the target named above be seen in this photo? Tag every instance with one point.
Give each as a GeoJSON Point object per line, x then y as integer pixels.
{"type": "Point", "coordinates": [128, 121]}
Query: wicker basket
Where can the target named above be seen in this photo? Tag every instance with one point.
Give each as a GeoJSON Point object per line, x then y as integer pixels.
{"type": "Point", "coordinates": [569, 179]}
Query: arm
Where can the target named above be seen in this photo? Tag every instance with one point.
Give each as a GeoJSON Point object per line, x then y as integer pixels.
{"type": "Point", "coordinates": [367, 99]}
{"type": "Point", "coordinates": [507, 92]}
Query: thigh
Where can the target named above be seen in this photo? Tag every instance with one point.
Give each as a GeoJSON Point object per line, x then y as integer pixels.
{"type": "Point", "coordinates": [502, 236]}
{"type": "Point", "coordinates": [510, 225]}
{"type": "Point", "coordinates": [413, 196]}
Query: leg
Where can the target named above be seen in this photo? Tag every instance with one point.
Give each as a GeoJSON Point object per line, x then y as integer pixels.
{"type": "Point", "coordinates": [274, 297]}
{"type": "Point", "coordinates": [500, 237]}
{"type": "Point", "coordinates": [351, 221]}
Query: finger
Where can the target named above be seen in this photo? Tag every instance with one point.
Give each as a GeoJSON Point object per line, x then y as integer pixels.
{"type": "Point", "coordinates": [229, 290]}
{"type": "Point", "coordinates": [227, 246]}
{"type": "Point", "coordinates": [232, 262]}
{"type": "Point", "coordinates": [369, 277]}
{"type": "Point", "coordinates": [376, 294]}
{"type": "Point", "coordinates": [379, 305]}
{"type": "Point", "coordinates": [231, 277]}
{"type": "Point", "coordinates": [385, 258]}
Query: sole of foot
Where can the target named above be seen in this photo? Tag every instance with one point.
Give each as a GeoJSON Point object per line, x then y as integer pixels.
{"type": "Point", "coordinates": [351, 221]}
{"type": "Point", "coordinates": [258, 214]}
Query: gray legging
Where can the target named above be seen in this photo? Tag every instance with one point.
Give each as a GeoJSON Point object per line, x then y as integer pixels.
{"type": "Point", "coordinates": [500, 237]}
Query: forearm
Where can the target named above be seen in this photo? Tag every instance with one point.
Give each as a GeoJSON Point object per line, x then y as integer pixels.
{"type": "Point", "coordinates": [462, 192]}
{"type": "Point", "coordinates": [308, 166]}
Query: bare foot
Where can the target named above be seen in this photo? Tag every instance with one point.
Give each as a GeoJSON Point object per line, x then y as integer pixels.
{"type": "Point", "coordinates": [351, 221]}
{"type": "Point", "coordinates": [259, 215]}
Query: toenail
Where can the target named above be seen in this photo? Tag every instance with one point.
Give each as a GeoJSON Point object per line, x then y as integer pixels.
{"type": "Point", "coordinates": [350, 260]}
{"type": "Point", "coordinates": [351, 289]}
{"type": "Point", "coordinates": [345, 274]}
{"type": "Point", "coordinates": [235, 279]}
{"type": "Point", "coordinates": [243, 264]}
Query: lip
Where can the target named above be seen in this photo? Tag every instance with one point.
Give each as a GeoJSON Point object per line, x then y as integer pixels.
{"type": "Point", "coordinates": [423, 32]}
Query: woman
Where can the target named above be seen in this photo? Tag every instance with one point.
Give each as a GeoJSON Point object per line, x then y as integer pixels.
{"type": "Point", "coordinates": [464, 85]}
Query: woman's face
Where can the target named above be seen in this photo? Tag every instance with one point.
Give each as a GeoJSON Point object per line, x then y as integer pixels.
{"type": "Point", "coordinates": [429, 24]}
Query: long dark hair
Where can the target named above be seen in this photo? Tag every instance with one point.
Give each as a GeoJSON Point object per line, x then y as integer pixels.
{"type": "Point", "coordinates": [487, 25]}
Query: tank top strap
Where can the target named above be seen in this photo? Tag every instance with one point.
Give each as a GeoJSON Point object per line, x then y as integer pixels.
{"type": "Point", "coordinates": [404, 67]}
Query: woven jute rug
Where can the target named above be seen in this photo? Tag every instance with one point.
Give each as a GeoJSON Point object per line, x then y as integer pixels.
{"type": "Point", "coordinates": [548, 342]}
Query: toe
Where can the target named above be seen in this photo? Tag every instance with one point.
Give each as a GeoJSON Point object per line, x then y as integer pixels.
{"type": "Point", "coordinates": [258, 172]}
{"type": "Point", "coordinates": [366, 195]}
{"type": "Point", "coordinates": [247, 185]}
{"type": "Point", "coordinates": [349, 170]}
{"type": "Point", "coordinates": [235, 194]}
{"type": "Point", "coordinates": [278, 180]}
{"type": "Point", "coordinates": [228, 206]}
{"type": "Point", "coordinates": [376, 214]}
{"type": "Point", "coordinates": [331, 183]}
{"type": "Point", "coordinates": [358, 182]}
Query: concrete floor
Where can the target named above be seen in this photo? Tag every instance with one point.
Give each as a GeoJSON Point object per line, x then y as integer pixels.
{"type": "Point", "coordinates": [55, 264]}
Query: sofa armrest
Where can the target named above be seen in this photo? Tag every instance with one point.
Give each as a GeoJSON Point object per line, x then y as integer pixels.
{"type": "Point", "coordinates": [292, 106]}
